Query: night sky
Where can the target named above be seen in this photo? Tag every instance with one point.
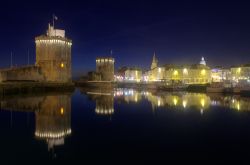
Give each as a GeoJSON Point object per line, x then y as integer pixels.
{"type": "Point", "coordinates": [179, 32]}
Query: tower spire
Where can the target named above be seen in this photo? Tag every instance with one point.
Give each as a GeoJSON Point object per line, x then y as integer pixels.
{"type": "Point", "coordinates": [154, 62]}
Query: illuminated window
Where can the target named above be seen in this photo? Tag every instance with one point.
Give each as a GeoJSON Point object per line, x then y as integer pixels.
{"type": "Point", "coordinates": [62, 65]}
{"type": "Point", "coordinates": [62, 111]}
{"type": "Point", "coordinates": [238, 70]}
{"type": "Point", "coordinates": [203, 72]}
{"type": "Point", "coordinates": [185, 71]}
{"type": "Point", "coordinates": [175, 73]}
{"type": "Point", "coordinates": [202, 102]}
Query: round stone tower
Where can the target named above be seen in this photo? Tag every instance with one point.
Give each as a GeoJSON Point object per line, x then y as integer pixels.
{"type": "Point", "coordinates": [53, 55]}
{"type": "Point", "coordinates": [105, 67]}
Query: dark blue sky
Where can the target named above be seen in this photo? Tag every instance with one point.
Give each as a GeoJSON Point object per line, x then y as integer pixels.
{"type": "Point", "coordinates": [180, 31]}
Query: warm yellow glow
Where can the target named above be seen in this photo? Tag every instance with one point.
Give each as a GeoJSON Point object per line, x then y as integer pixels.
{"type": "Point", "coordinates": [136, 98]}
{"type": "Point", "coordinates": [203, 72]}
{"type": "Point", "coordinates": [175, 73]}
{"type": "Point", "coordinates": [159, 70]}
{"type": "Point", "coordinates": [184, 103]}
{"type": "Point", "coordinates": [239, 70]}
{"type": "Point", "coordinates": [185, 71]}
{"type": "Point", "coordinates": [202, 102]}
{"type": "Point", "coordinates": [62, 65]}
{"type": "Point", "coordinates": [238, 106]}
{"type": "Point", "coordinates": [175, 101]}
{"type": "Point", "coordinates": [159, 102]}
{"type": "Point", "coordinates": [62, 110]}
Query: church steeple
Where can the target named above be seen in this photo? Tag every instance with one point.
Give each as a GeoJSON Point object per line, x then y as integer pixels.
{"type": "Point", "coordinates": [154, 62]}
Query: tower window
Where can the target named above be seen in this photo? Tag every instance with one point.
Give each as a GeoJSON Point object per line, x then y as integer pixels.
{"type": "Point", "coordinates": [62, 65]}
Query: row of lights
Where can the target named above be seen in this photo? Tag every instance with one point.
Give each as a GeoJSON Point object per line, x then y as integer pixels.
{"type": "Point", "coordinates": [52, 134]}
{"type": "Point", "coordinates": [105, 60]}
{"type": "Point", "coordinates": [53, 41]}
{"type": "Point", "coordinates": [104, 112]}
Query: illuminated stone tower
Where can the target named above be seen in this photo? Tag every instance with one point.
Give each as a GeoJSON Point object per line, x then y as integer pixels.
{"type": "Point", "coordinates": [105, 67]}
{"type": "Point", "coordinates": [154, 62]}
{"type": "Point", "coordinates": [53, 55]}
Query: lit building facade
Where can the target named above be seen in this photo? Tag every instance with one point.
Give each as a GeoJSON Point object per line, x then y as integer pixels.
{"type": "Point", "coordinates": [155, 73]}
{"type": "Point", "coordinates": [241, 73]}
{"type": "Point", "coordinates": [105, 67]}
{"type": "Point", "coordinates": [189, 74]}
{"type": "Point", "coordinates": [53, 55]}
{"type": "Point", "coordinates": [220, 74]}
{"type": "Point", "coordinates": [192, 74]}
{"type": "Point", "coordinates": [133, 75]}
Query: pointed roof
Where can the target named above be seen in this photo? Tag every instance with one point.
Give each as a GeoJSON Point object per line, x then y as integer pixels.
{"type": "Point", "coordinates": [154, 62]}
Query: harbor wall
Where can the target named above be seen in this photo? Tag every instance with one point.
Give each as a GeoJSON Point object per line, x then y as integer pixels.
{"type": "Point", "coordinates": [27, 73]}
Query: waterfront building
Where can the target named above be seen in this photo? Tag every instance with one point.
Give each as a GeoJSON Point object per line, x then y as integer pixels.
{"type": "Point", "coordinates": [185, 74]}
{"type": "Point", "coordinates": [241, 74]}
{"type": "Point", "coordinates": [155, 73]}
{"type": "Point", "coordinates": [105, 67]}
{"type": "Point", "coordinates": [188, 74]}
{"type": "Point", "coordinates": [133, 74]}
{"type": "Point", "coordinates": [220, 74]}
{"type": "Point", "coordinates": [120, 74]}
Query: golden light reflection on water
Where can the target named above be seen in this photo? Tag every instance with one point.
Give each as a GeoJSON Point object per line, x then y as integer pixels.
{"type": "Point", "coordinates": [184, 100]}
{"type": "Point", "coordinates": [52, 116]}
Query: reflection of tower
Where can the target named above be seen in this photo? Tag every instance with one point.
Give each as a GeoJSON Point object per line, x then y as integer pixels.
{"type": "Point", "coordinates": [53, 120]}
{"type": "Point", "coordinates": [105, 66]}
{"type": "Point", "coordinates": [53, 55]}
{"type": "Point", "coordinates": [105, 105]}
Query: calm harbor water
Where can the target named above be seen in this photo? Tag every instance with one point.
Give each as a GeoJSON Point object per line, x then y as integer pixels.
{"type": "Point", "coordinates": [124, 124]}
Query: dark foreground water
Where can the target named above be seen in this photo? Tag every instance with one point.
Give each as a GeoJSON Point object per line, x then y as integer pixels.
{"type": "Point", "coordinates": [125, 125]}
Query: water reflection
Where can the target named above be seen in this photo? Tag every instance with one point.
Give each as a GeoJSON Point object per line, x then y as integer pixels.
{"type": "Point", "coordinates": [104, 102]}
{"type": "Point", "coordinates": [184, 100]}
{"type": "Point", "coordinates": [52, 115]}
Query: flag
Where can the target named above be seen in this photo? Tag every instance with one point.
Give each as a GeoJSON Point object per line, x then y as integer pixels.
{"type": "Point", "coordinates": [55, 17]}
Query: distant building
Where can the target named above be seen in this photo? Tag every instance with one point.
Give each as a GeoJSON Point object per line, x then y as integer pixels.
{"type": "Point", "coordinates": [154, 62]}
{"type": "Point", "coordinates": [240, 73]}
{"type": "Point", "coordinates": [220, 74]}
{"type": "Point", "coordinates": [155, 73]}
{"type": "Point", "coordinates": [203, 62]}
{"type": "Point", "coordinates": [120, 74]}
{"type": "Point", "coordinates": [186, 74]}
{"type": "Point", "coordinates": [133, 74]}
{"type": "Point", "coordinates": [105, 67]}
{"type": "Point", "coordinates": [189, 74]}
